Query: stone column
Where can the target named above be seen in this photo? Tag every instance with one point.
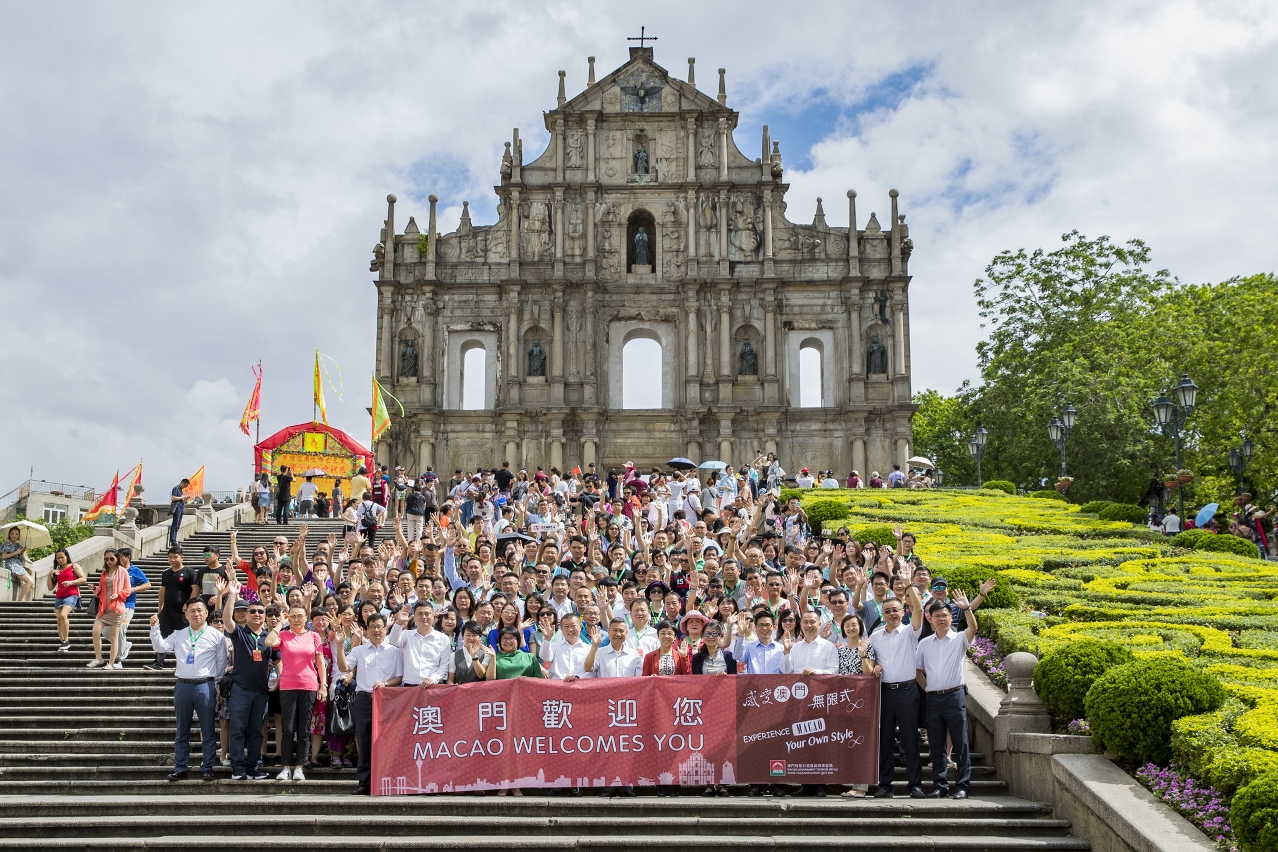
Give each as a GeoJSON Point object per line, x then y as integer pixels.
{"type": "Point", "coordinates": [425, 446]}
{"type": "Point", "coordinates": [590, 154]}
{"type": "Point", "coordinates": [513, 231]}
{"type": "Point", "coordinates": [559, 232]}
{"type": "Point", "coordinates": [691, 254]}
{"type": "Point", "coordinates": [768, 269]}
{"type": "Point", "coordinates": [690, 151]}
{"type": "Point", "coordinates": [896, 236]}
{"type": "Point", "coordinates": [723, 150]}
{"type": "Point", "coordinates": [902, 452]}
{"type": "Point", "coordinates": [727, 371]}
{"type": "Point", "coordinates": [557, 444]}
{"type": "Point", "coordinates": [725, 438]}
{"type": "Point", "coordinates": [856, 360]}
{"type": "Point", "coordinates": [590, 394]}
{"type": "Point", "coordinates": [898, 332]}
{"type": "Point", "coordinates": [590, 233]}
{"type": "Point", "coordinates": [858, 456]}
{"type": "Point", "coordinates": [770, 390]}
{"type": "Point", "coordinates": [428, 358]}
{"type": "Point", "coordinates": [854, 251]}
{"type": "Point", "coordinates": [1021, 711]}
{"type": "Point", "coordinates": [386, 352]}
{"type": "Point", "coordinates": [388, 260]}
{"type": "Point", "coordinates": [589, 443]}
{"type": "Point", "coordinates": [723, 231]}
{"type": "Point", "coordinates": [557, 349]}
{"type": "Point", "coordinates": [692, 369]}
{"type": "Point", "coordinates": [514, 355]}
{"type": "Point", "coordinates": [431, 236]}
{"type": "Point", "coordinates": [559, 142]}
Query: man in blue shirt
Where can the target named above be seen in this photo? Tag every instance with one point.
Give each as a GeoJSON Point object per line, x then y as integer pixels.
{"type": "Point", "coordinates": [177, 505]}
{"type": "Point", "coordinates": [139, 583]}
{"type": "Point", "coordinates": [761, 655]}
{"type": "Point", "coordinates": [896, 479]}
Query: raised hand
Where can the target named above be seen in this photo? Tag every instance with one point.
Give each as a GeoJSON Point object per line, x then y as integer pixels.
{"type": "Point", "coordinates": [401, 617]}
{"type": "Point", "coordinates": [987, 586]}
{"type": "Point", "coordinates": [961, 599]}
{"type": "Point", "coordinates": [898, 531]}
{"type": "Point", "coordinates": [863, 647]}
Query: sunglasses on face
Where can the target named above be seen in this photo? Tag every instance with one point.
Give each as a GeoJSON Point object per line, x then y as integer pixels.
{"type": "Point", "coordinates": [257, 612]}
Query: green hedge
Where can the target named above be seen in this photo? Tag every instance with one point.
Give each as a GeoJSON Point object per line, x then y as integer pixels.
{"type": "Point", "coordinates": [1064, 675]}
{"type": "Point", "coordinates": [820, 512]}
{"type": "Point", "coordinates": [1208, 541]}
{"type": "Point", "coordinates": [1190, 539]}
{"type": "Point", "coordinates": [1131, 707]}
{"type": "Point", "coordinates": [1049, 494]}
{"type": "Point", "coordinates": [877, 533]}
{"type": "Point", "coordinates": [1095, 506]}
{"type": "Point", "coordinates": [1129, 512]}
{"type": "Point", "coordinates": [788, 493]}
{"type": "Point", "coordinates": [1206, 748]}
{"type": "Point", "coordinates": [969, 579]}
{"type": "Point", "coordinates": [1001, 485]}
{"type": "Point", "coordinates": [1254, 814]}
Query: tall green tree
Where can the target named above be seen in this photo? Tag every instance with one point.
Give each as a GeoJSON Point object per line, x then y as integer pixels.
{"type": "Point", "coordinates": [941, 428]}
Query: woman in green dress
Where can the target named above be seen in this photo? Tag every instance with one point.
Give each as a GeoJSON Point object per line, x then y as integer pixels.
{"type": "Point", "coordinates": [510, 662]}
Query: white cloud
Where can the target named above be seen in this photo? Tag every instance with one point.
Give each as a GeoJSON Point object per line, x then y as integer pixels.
{"type": "Point", "coordinates": [191, 188]}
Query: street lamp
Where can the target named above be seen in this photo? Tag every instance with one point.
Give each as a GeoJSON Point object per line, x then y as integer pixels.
{"type": "Point", "coordinates": [1059, 429]}
{"type": "Point", "coordinates": [1239, 458]}
{"type": "Point", "coordinates": [976, 447]}
{"type": "Point", "coordinates": [938, 477]}
{"type": "Point", "coordinates": [1172, 416]}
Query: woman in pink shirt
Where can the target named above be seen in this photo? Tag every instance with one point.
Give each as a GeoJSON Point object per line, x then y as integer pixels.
{"type": "Point", "coordinates": [302, 680]}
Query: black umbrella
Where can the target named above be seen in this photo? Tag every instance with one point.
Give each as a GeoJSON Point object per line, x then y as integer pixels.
{"type": "Point", "coordinates": [507, 538]}
{"type": "Point", "coordinates": [682, 464]}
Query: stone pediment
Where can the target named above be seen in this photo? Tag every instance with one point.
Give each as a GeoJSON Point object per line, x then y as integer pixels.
{"type": "Point", "coordinates": [641, 85]}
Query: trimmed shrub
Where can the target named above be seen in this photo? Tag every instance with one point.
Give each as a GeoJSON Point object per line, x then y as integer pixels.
{"type": "Point", "coordinates": [1064, 675]}
{"type": "Point", "coordinates": [1049, 494]}
{"type": "Point", "coordinates": [1191, 539]}
{"type": "Point", "coordinates": [1095, 506]}
{"type": "Point", "coordinates": [1131, 707]}
{"type": "Point", "coordinates": [1254, 814]}
{"type": "Point", "coordinates": [877, 533]}
{"type": "Point", "coordinates": [1001, 485]}
{"type": "Point", "coordinates": [969, 579]}
{"type": "Point", "coordinates": [820, 512]}
{"type": "Point", "coordinates": [1129, 512]}
{"type": "Point", "coordinates": [787, 493]}
{"type": "Point", "coordinates": [1229, 544]}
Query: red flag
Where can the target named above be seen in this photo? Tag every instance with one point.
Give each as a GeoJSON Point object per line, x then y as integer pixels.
{"type": "Point", "coordinates": [106, 504]}
{"type": "Point", "coordinates": [253, 411]}
{"type": "Point", "coordinates": [576, 471]}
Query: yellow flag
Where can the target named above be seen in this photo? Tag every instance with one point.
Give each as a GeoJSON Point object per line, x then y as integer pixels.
{"type": "Point", "coordinates": [196, 487]}
{"type": "Point", "coordinates": [319, 390]}
{"type": "Point", "coordinates": [381, 417]}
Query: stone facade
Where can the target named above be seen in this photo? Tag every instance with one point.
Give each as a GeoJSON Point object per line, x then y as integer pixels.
{"type": "Point", "coordinates": [731, 290]}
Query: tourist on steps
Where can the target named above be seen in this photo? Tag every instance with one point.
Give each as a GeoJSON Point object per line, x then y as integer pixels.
{"type": "Point", "coordinates": [201, 662]}
{"type": "Point", "coordinates": [177, 585]}
{"type": "Point", "coordinates": [250, 675]}
{"type": "Point", "coordinates": [939, 663]}
{"type": "Point", "coordinates": [303, 680]}
{"type": "Point", "coordinates": [113, 591]}
{"type": "Point", "coordinates": [139, 583]}
{"type": "Point", "coordinates": [65, 581]}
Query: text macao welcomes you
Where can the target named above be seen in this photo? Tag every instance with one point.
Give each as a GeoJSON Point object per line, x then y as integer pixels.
{"type": "Point", "coordinates": [820, 729]}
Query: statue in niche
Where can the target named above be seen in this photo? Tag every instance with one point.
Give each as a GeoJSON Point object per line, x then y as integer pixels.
{"type": "Point", "coordinates": [573, 155]}
{"type": "Point", "coordinates": [876, 358]}
{"type": "Point", "coordinates": [408, 360]}
{"type": "Point", "coordinates": [537, 360]}
{"type": "Point", "coordinates": [643, 257]}
{"type": "Point", "coordinates": [641, 160]}
{"type": "Point", "coordinates": [748, 361]}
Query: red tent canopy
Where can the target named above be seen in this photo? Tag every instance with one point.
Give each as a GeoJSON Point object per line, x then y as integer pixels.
{"type": "Point", "coordinates": [311, 445]}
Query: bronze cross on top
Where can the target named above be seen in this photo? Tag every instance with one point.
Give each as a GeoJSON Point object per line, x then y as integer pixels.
{"type": "Point", "coordinates": [641, 38]}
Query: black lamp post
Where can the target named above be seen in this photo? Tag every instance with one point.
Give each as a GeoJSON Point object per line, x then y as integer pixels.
{"type": "Point", "coordinates": [1059, 429]}
{"type": "Point", "coordinates": [1239, 458]}
{"type": "Point", "coordinates": [937, 477]}
{"type": "Point", "coordinates": [976, 447]}
{"type": "Point", "coordinates": [1172, 416]}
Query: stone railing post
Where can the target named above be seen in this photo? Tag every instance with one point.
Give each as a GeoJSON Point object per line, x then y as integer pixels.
{"type": "Point", "coordinates": [1021, 711]}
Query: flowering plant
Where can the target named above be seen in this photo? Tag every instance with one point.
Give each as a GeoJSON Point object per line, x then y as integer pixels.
{"type": "Point", "coordinates": [1079, 727]}
{"type": "Point", "coordinates": [989, 659]}
{"type": "Point", "coordinates": [1206, 807]}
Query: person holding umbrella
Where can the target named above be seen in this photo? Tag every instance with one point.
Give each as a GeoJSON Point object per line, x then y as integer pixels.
{"type": "Point", "coordinates": [13, 556]}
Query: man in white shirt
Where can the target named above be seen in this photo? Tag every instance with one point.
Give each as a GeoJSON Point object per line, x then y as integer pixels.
{"type": "Point", "coordinates": [306, 498]}
{"type": "Point", "coordinates": [201, 662]}
{"type": "Point", "coordinates": [1171, 523]}
{"type": "Point", "coordinates": [426, 651]}
{"type": "Point", "coordinates": [614, 659]}
{"type": "Point", "coordinates": [894, 645]}
{"type": "Point", "coordinates": [377, 663]}
{"type": "Point", "coordinates": [804, 479]}
{"type": "Point", "coordinates": [939, 665]}
{"type": "Point", "coordinates": [643, 637]}
{"type": "Point", "coordinates": [565, 656]}
{"type": "Point", "coordinates": [811, 655]}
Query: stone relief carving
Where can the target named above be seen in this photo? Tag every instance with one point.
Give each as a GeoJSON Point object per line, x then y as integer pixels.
{"type": "Point", "coordinates": [708, 219]}
{"type": "Point", "coordinates": [745, 226]}
{"type": "Point", "coordinates": [640, 91]}
{"type": "Point", "coordinates": [674, 239]}
{"type": "Point", "coordinates": [574, 154]}
{"type": "Point", "coordinates": [575, 236]}
{"type": "Point", "coordinates": [536, 230]}
{"type": "Point", "coordinates": [607, 243]}
{"type": "Point", "coordinates": [496, 240]}
{"type": "Point", "coordinates": [573, 325]}
{"type": "Point", "coordinates": [706, 158]}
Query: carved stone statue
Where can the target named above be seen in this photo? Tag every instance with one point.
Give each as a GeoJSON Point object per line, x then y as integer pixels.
{"type": "Point", "coordinates": [408, 360]}
{"type": "Point", "coordinates": [705, 150]}
{"type": "Point", "coordinates": [641, 160]}
{"type": "Point", "coordinates": [748, 361]}
{"type": "Point", "coordinates": [876, 358]}
{"type": "Point", "coordinates": [573, 156]}
{"type": "Point", "coordinates": [643, 257]}
{"type": "Point", "coordinates": [537, 360]}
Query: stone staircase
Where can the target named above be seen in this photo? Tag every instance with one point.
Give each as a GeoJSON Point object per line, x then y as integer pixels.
{"type": "Point", "coordinates": [84, 754]}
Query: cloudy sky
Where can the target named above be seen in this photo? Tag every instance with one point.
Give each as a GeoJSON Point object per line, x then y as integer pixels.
{"type": "Point", "coordinates": [188, 188]}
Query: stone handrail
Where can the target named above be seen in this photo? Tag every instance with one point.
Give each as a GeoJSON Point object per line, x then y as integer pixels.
{"type": "Point", "coordinates": [145, 542]}
{"type": "Point", "coordinates": [1103, 804]}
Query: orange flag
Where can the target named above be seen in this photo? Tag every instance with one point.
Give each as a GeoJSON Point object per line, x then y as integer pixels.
{"type": "Point", "coordinates": [137, 479]}
{"type": "Point", "coordinates": [196, 488]}
{"type": "Point", "coordinates": [106, 504]}
{"type": "Point", "coordinates": [253, 411]}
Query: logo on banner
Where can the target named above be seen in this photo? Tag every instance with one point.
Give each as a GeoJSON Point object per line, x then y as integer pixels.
{"type": "Point", "coordinates": [776, 767]}
{"type": "Point", "coordinates": [781, 694]}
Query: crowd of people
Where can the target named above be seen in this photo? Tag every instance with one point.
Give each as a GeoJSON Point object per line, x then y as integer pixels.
{"type": "Point", "coordinates": [1248, 523]}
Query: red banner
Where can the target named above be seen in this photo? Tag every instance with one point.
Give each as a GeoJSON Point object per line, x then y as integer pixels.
{"type": "Point", "coordinates": [642, 731]}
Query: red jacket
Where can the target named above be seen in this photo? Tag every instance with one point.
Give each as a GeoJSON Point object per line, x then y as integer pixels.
{"type": "Point", "coordinates": [652, 663]}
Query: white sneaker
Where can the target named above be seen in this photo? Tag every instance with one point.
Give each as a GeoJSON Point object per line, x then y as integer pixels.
{"type": "Point", "coordinates": [285, 775]}
{"type": "Point", "coordinates": [297, 774]}
{"type": "Point", "coordinates": [95, 664]}
{"type": "Point", "coordinates": [124, 652]}
{"type": "Point", "coordinates": [118, 665]}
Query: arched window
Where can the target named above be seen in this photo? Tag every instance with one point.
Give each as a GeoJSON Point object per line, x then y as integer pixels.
{"type": "Point", "coordinates": [641, 372]}
{"type": "Point", "coordinates": [811, 378]}
{"type": "Point", "coordinates": [474, 375]}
